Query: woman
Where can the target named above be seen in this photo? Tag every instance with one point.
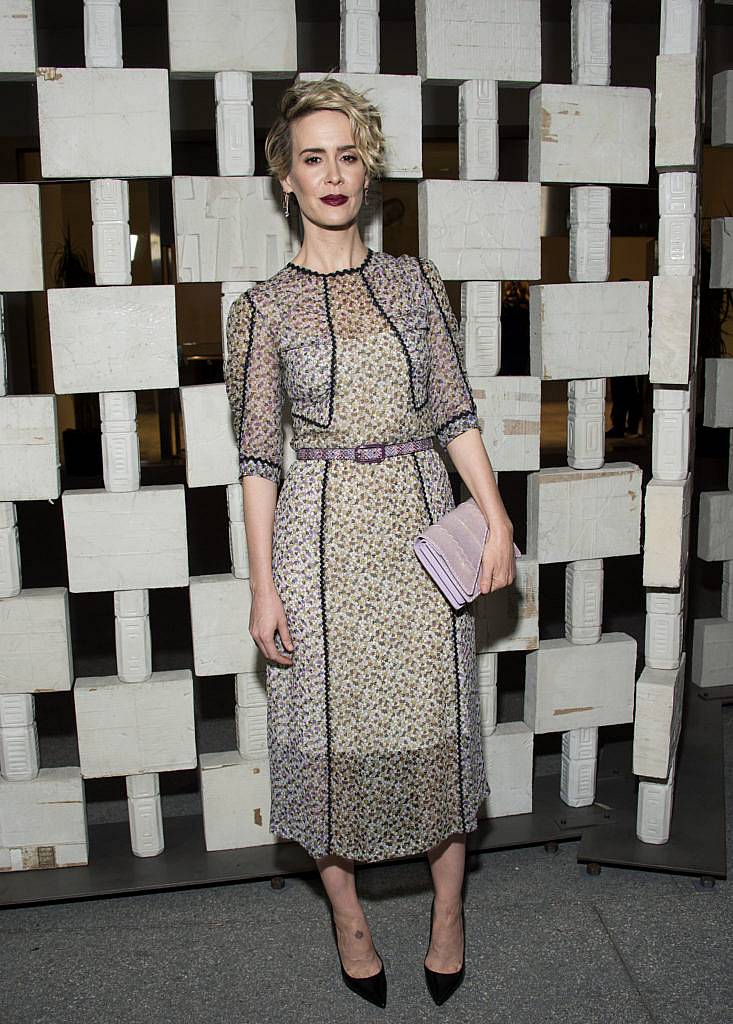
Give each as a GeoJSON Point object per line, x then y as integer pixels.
{"type": "Point", "coordinates": [373, 717]}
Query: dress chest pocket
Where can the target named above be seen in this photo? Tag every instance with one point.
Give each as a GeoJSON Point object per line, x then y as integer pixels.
{"type": "Point", "coordinates": [306, 365]}
{"type": "Point", "coordinates": [411, 326]}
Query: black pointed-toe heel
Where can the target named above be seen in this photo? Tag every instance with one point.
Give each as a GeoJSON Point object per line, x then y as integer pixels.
{"type": "Point", "coordinates": [442, 986]}
{"type": "Point", "coordinates": [373, 988]}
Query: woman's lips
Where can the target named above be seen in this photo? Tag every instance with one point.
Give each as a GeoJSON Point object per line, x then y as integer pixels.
{"type": "Point", "coordinates": [333, 200]}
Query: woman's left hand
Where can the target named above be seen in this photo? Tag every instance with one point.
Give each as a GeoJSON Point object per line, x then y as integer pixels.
{"type": "Point", "coordinates": [498, 567]}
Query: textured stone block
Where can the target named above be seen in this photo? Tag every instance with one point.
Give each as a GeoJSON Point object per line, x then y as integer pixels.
{"type": "Point", "coordinates": [679, 26]}
{"type": "Point", "coordinates": [113, 339]}
{"type": "Point", "coordinates": [573, 514]}
{"type": "Point", "coordinates": [21, 258]}
{"type": "Point", "coordinates": [715, 526]}
{"type": "Point", "coordinates": [126, 540]}
{"type": "Point", "coordinates": [589, 330]}
{"type": "Point", "coordinates": [480, 230]}
{"type": "Point", "coordinates": [399, 98]}
{"type": "Point", "coordinates": [666, 531]}
{"type": "Point", "coordinates": [232, 35]}
{"type": "Point", "coordinates": [721, 119]}
{"type": "Point", "coordinates": [508, 758]}
{"type": "Point", "coordinates": [577, 686]}
{"type": "Point", "coordinates": [721, 256]}
{"type": "Point", "coordinates": [509, 418]}
{"type": "Point", "coordinates": [43, 822]}
{"type": "Point", "coordinates": [712, 652]}
{"type": "Point", "coordinates": [675, 111]}
{"type": "Point", "coordinates": [508, 619]}
{"type": "Point", "coordinates": [657, 720]}
{"type": "Point", "coordinates": [222, 643]}
{"type": "Point", "coordinates": [478, 39]}
{"type": "Point", "coordinates": [29, 448]}
{"type": "Point", "coordinates": [211, 454]}
{"type": "Point", "coordinates": [235, 798]}
{"type": "Point", "coordinates": [590, 42]}
{"type": "Point", "coordinates": [586, 135]}
{"type": "Point", "coordinates": [670, 349]}
{"type": "Point", "coordinates": [104, 122]}
{"type": "Point", "coordinates": [718, 411]}
{"type": "Point", "coordinates": [17, 39]}
{"type": "Point", "coordinates": [135, 728]}
{"type": "Point", "coordinates": [35, 642]}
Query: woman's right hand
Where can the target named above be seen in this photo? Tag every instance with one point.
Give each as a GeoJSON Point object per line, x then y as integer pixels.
{"type": "Point", "coordinates": [266, 617]}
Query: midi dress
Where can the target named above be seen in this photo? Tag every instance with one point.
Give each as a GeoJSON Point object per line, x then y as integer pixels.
{"type": "Point", "coordinates": [373, 732]}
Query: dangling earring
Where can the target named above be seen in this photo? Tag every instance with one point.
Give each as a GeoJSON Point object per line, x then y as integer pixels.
{"type": "Point", "coordinates": [286, 200]}
{"type": "Point", "coordinates": [366, 192]}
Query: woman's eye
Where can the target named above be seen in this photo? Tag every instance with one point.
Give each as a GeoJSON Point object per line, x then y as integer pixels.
{"type": "Point", "coordinates": [347, 156]}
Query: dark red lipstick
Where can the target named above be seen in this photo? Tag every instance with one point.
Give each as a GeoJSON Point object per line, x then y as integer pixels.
{"type": "Point", "coordinates": [333, 200]}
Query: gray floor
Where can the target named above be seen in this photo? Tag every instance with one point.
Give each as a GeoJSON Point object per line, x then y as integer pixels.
{"type": "Point", "coordinates": [545, 941]}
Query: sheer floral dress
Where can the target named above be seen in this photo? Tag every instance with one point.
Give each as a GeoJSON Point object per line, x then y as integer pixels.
{"type": "Point", "coordinates": [373, 733]}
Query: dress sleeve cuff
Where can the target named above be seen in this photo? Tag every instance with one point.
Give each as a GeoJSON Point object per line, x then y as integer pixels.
{"type": "Point", "coordinates": [252, 466]}
{"type": "Point", "coordinates": [456, 425]}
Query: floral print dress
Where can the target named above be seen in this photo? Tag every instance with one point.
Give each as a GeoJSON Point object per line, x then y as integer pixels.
{"type": "Point", "coordinates": [373, 732]}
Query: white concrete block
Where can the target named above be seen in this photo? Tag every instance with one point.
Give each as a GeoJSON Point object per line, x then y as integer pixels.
{"type": "Point", "coordinates": [718, 411]}
{"type": "Point", "coordinates": [481, 327]}
{"type": "Point", "coordinates": [250, 689]}
{"type": "Point", "coordinates": [235, 797]}
{"type": "Point", "coordinates": [667, 506]}
{"type": "Point", "coordinates": [584, 601]}
{"type": "Point", "coordinates": [104, 122]}
{"type": "Point", "coordinates": [113, 339]}
{"type": "Point", "coordinates": [590, 235]}
{"type": "Point", "coordinates": [47, 811]}
{"type": "Point", "coordinates": [486, 679]}
{"type": "Point", "coordinates": [478, 39]}
{"type": "Point", "coordinates": [146, 814]}
{"type": "Point", "coordinates": [576, 686]}
{"type": "Point", "coordinates": [228, 229]}
{"type": "Point", "coordinates": [19, 755]}
{"type": "Point", "coordinates": [578, 767]}
{"type": "Point", "coordinates": [721, 120]}
{"type": "Point", "coordinates": [590, 42]}
{"type": "Point", "coordinates": [231, 35]}
{"type": "Point", "coordinates": [480, 230]}
{"type": "Point", "coordinates": [654, 810]}
{"type": "Point", "coordinates": [721, 257]}
{"type": "Point", "coordinates": [211, 454]}
{"type": "Point", "coordinates": [589, 330]}
{"type": "Point", "coordinates": [35, 642]}
{"type": "Point", "coordinates": [237, 534]}
{"type": "Point", "coordinates": [670, 348]}
{"type": "Point", "coordinates": [478, 130]}
{"type": "Point", "coordinates": [135, 728]}
{"type": "Point", "coordinates": [120, 442]}
{"type": "Point", "coordinates": [509, 418]}
{"type": "Point", "coordinates": [222, 643]}
{"type": "Point", "coordinates": [126, 540]}
{"type": "Point", "coordinates": [133, 644]}
{"type": "Point", "coordinates": [235, 129]}
{"type": "Point", "coordinates": [508, 759]}
{"type": "Point", "coordinates": [677, 194]}
{"type": "Point", "coordinates": [712, 652]}
{"type": "Point", "coordinates": [21, 257]}
{"type": "Point", "coordinates": [250, 729]}
{"type": "Point", "coordinates": [657, 720]}
{"type": "Point", "coordinates": [574, 514]}
{"type": "Point", "coordinates": [726, 587]}
{"type": "Point", "coordinates": [29, 448]}
{"type": "Point", "coordinates": [17, 39]}
{"type": "Point", "coordinates": [715, 526]}
{"type": "Point", "coordinates": [583, 134]}
{"type": "Point", "coordinates": [664, 629]}
{"type": "Point", "coordinates": [675, 111]}
{"type": "Point", "coordinates": [359, 36]}
{"type": "Point", "coordinates": [507, 619]}
{"type": "Point", "coordinates": [399, 98]}
{"type": "Point", "coordinates": [679, 26]}
{"type": "Point", "coordinates": [10, 583]}
{"type": "Point", "coordinates": [111, 231]}
{"type": "Point", "coordinates": [671, 433]}
{"type": "Point", "coordinates": [102, 34]}
{"type": "Point", "coordinates": [586, 422]}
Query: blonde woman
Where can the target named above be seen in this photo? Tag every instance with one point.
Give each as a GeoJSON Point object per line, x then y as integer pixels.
{"type": "Point", "coordinates": [372, 705]}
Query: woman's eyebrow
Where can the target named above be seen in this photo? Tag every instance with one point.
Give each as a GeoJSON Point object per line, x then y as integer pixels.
{"type": "Point", "coordinates": [320, 149]}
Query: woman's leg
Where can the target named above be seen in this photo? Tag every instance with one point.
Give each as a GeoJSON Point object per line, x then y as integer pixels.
{"type": "Point", "coordinates": [447, 865]}
{"type": "Point", "coordinates": [353, 936]}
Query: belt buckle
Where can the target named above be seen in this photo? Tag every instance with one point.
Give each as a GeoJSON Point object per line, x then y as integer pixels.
{"type": "Point", "coordinates": [377, 457]}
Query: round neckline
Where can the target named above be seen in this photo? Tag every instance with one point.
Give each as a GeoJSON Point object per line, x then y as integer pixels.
{"type": "Point", "coordinates": [333, 273]}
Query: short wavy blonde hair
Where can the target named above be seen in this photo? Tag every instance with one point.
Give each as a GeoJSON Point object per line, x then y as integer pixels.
{"type": "Point", "coordinates": [326, 94]}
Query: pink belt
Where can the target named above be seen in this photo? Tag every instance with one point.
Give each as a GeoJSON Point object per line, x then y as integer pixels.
{"type": "Point", "coordinates": [367, 452]}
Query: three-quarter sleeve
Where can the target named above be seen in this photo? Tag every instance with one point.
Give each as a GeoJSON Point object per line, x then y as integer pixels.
{"type": "Point", "coordinates": [451, 401]}
{"type": "Point", "coordinates": [254, 389]}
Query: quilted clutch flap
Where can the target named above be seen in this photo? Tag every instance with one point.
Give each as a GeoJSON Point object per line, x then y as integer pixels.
{"type": "Point", "coordinates": [451, 551]}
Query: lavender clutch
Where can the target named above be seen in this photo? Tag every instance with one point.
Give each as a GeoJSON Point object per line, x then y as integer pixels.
{"type": "Point", "coordinates": [451, 550]}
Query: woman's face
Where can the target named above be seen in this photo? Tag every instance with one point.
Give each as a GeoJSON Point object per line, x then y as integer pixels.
{"type": "Point", "coordinates": [325, 163]}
